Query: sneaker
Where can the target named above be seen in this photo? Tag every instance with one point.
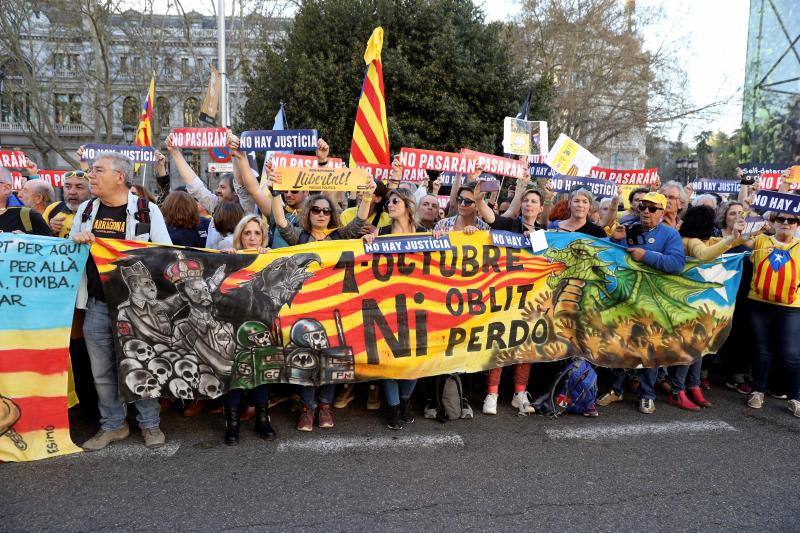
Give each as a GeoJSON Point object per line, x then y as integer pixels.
{"type": "Point", "coordinates": [490, 404]}
{"type": "Point", "coordinates": [374, 398]}
{"type": "Point", "coordinates": [756, 400]}
{"type": "Point", "coordinates": [609, 398]}
{"type": "Point", "coordinates": [153, 437]}
{"type": "Point", "coordinates": [394, 421]}
{"type": "Point", "coordinates": [777, 395]}
{"type": "Point", "coordinates": [346, 396]}
{"type": "Point", "coordinates": [705, 384]}
{"type": "Point", "coordinates": [406, 411]}
{"type": "Point", "coordinates": [680, 400]}
{"type": "Point", "coordinates": [430, 411]}
{"type": "Point", "coordinates": [591, 412]}
{"type": "Point", "coordinates": [306, 420]}
{"type": "Point", "coordinates": [647, 406]}
{"type": "Point", "coordinates": [104, 437]}
{"type": "Point", "coordinates": [324, 416]}
{"type": "Point", "coordinates": [741, 388]}
{"type": "Point", "coordinates": [522, 401]}
{"type": "Point", "coordinates": [794, 407]}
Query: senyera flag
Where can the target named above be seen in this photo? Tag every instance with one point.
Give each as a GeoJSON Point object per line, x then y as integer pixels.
{"type": "Point", "coordinates": [40, 276]}
{"type": "Point", "coordinates": [371, 131]}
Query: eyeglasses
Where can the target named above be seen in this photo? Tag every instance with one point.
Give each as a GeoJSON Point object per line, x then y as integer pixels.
{"type": "Point", "coordinates": [651, 208]}
{"type": "Point", "coordinates": [395, 201]}
{"type": "Point", "coordinates": [316, 210]}
{"type": "Point", "coordinates": [291, 192]}
{"type": "Point", "coordinates": [465, 201]}
{"type": "Point", "coordinates": [786, 220]}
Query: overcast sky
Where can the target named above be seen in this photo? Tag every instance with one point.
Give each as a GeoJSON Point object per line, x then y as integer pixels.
{"type": "Point", "coordinates": [715, 33]}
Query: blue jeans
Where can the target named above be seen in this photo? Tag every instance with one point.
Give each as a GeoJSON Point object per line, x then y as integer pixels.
{"type": "Point", "coordinates": [398, 389]}
{"type": "Point", "coordinates": [683, 377]}
{"type": "Point", "coordinates": [775, 330]}
{"type": "Point", "coordinates": [308, 394]}
{"type": "Point", "coordinates": [647, 382]}
{"type": "Point", "coordinates": [258, 396]}
{"type": "Point", "coordinates": [103, 359]}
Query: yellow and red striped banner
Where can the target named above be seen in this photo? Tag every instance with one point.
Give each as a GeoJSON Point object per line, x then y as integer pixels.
{"type": "Point", "coordinates": [371, 131]}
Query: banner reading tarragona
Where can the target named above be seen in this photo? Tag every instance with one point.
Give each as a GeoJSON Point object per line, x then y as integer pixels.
{"type": "Point", "coordinates": [189, 322]}
{"type": "Point", "coordinates": [39, 277]}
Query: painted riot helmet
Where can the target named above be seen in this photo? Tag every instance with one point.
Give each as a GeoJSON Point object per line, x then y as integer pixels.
{"type": "Point", "coordinates": [253, 334]}
{"type": "Point", "coordinates": [309, 333]}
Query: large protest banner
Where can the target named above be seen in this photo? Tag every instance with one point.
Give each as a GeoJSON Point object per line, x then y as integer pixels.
{"type": "Point", "coordinates": [329, 312]}
{"type": "Point", "coordinates": [39, 278]}
{"type": "Point", "coordinates": [137, 154]}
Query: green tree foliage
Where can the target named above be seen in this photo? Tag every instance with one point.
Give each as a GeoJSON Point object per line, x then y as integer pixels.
{"type": "Point", "coordinates": [448, 76]}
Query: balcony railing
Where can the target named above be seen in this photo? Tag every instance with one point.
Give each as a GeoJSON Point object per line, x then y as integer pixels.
{"type": "Point", "coordinates": [64, 73]}
{"type": "Point", "coordinates": [11, 126]}
{"type": "Point", "coordinates": [72, 129]}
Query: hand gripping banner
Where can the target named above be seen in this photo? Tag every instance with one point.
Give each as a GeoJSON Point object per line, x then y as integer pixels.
{"type": "Point", "coordinates": [39, 279]}
{"type": "Point", "coordinates": [327, 312]}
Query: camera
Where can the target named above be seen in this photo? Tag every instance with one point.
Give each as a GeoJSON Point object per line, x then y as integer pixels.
{"type": "Point", "coordinates": [633, 233]}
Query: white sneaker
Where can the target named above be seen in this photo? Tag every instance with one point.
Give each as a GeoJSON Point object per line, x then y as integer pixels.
{"type": "Point", "coordinates": [756, 400]}
{"type": "Point", "coordinates": [522, 401]}
{"type": "Point", "coordinates": [490, 404]}
{"type": "Point", "coordinates": [794, 407]}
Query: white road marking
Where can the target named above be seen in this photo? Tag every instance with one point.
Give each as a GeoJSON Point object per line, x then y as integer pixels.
{"type": "Point", "coordinates": [130, 450]}
{"type": "Point", "coordinates": [340, 444]}
{"type": "Point", "coordinates": [636, 430]}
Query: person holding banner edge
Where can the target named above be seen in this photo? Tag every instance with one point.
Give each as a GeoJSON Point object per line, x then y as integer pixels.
{"type": "Point", "coordinates": [319, 221]}
{"type": "Point", "coordinates": [401, 208]}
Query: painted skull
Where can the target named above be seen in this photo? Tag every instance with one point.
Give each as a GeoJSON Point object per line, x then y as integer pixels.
{"type": "Point", "coordinates": [309, 333]}
{"type": "Point", "coordinates": [180, 389]}
{"type": "Point", "coordinates": [210, 386]}
{"type": "Point", "coordinates": [188, 371]}
{"type": "Point", "coordinates": [171, 356]}
{"type": "Point", "coordinates": [139, 350]}
{"type": "Point", "coordinates": [161, 368]}
{"type": "Point", "coordinates": [143, 384]}
{"type": "Point", "coordinates": [128, 365]}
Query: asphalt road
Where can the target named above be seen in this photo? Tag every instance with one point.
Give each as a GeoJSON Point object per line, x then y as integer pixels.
{"type": "Point", "coordinates": [729, 467]}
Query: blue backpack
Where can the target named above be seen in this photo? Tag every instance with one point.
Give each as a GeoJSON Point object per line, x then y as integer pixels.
{"type": "Point", "coordinates": [573, 391]}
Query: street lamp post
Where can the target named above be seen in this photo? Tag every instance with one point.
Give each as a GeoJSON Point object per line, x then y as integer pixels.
{"type": "Point", "coordinates": [2, 79]}
{"type": "Point", "coordinates": [692, 166]}
{"type": "Point", "coordinates": [682, 165]}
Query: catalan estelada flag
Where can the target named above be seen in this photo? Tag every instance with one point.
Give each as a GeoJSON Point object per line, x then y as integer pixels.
{"type": "Point", "coordinates": [777, 271]}
{"type": "Point", "coordinates": [371, 131]}
{"type": "Point", "coordinates": [144, 133]}
{"type": "Point", "coordinates": [36, 308]}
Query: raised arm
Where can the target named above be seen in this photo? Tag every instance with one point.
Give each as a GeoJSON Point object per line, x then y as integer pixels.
{"type": "Point", "coordinates": [194, 185]}
{"type": "Point", "coordinates": [516, 202]}
{"type": "Point", "coordinates": [484, 211]}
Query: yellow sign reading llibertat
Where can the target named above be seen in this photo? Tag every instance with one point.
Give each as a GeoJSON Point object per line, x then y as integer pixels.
{"type": "Point", "coordinates": [320, 179]}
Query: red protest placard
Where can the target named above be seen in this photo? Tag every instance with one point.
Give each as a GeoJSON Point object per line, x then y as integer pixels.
{"type": "Point", "coordinates": [17, 181]}
{"type": "Point", "coordinates": [54, 177]}
{"type": "Point", "coordinates": [439, 161]}
{"type": "Point", "coordinates": [645, 177]}
{"type": "Point", "coordinates": [308, 161]}
{"type": "Point", "coordinates": [199, 137]}
{"type": "Point", "coordinates": [771, 181]}
{"type": "Point", "coordinates": [501, 166]}
{"type": "Point", "coordinates": [12, 159]}
{"type": "Point", "coordinates": [383, 172]}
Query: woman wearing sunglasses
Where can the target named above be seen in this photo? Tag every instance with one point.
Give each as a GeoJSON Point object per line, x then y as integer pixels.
{"type": "Point", "coordinates": [775, 308]}
{"type": "Point", "coordinates": [319, 220]}
{"type": "Point", "coordinates": [402, 209]}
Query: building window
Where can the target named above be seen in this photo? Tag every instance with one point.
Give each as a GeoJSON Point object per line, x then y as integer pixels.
{"type": "Point", "coordinates": [130, 111]}
{"type": "Point", "coordinates": [191, 112]}
{"type": "Point", "coordinates": [185, 66]}
{"type": "Point", "coordinates": [162, 113]}
{"type": "Point", "coordinates": [65, 61]}
{"type": "Point", "coordinates": [16, 108]}
{"type": "Point", "coordinates": [68, 109]}
{"type": "Point", "coordinates": [123, 64]}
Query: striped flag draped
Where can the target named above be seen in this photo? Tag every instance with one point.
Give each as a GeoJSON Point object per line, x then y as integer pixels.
{"type": "Point", "coordinates": [371, 131]}
{"type": "Point", "coordinates": [144, 133]}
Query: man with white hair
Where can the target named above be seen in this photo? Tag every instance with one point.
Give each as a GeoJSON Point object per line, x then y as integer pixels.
{"type": "Point", "coordinates": [37, 194]}
{"type": "Point", "coordinates": [676, 197]}
{"type": "Point", "coordinates": [114, 213]}
{"type": "Point", "coordinates": [14, 218]}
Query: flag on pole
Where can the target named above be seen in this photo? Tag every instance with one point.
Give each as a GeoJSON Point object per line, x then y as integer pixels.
{"type": "Point", "coordinates": [144, 133]}
{"type": "Point", "coordinates": [371, 131]}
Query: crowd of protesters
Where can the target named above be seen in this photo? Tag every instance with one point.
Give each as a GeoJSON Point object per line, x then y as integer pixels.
{"type": "Point", "coordinates": [669, 223]}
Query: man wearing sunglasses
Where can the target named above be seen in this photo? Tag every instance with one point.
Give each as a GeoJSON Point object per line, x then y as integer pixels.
{"type": "Point", "coordinates": [75, 190]}
{"type": "Point", "coordinates": [658, 246]}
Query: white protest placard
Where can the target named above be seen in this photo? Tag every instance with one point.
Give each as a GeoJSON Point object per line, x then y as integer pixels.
{"type": "Point", "coordinates": [570, 158]}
